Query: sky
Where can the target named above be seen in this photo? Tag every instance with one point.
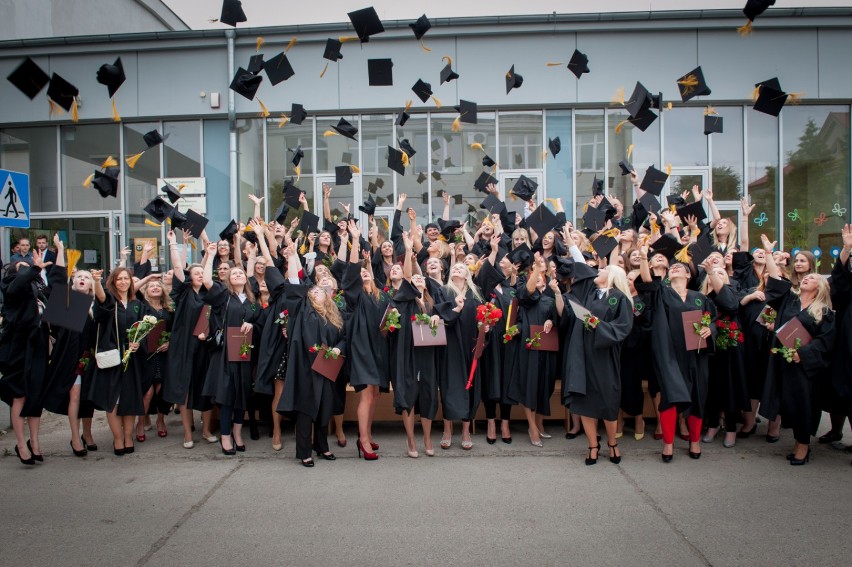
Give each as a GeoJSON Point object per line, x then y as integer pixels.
{"type": "Point", "coordinates": [261, 13]}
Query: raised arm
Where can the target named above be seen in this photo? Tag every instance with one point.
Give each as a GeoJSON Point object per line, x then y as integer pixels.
{"type": "Point", "coordinates": [257, 201]}
{"type": "Point", "coordinates": [846, 234]}
{"type": "Point", "coordinates": [771, 267]}
{"type": "Point", "coordinates": [60, 251]}
{"type": "Point", "coordinates": [261, 242]}
{"type": "Point", "coordinates": [446, 213]}
{"type": "Point", "coordinates": [97, 278]}
{"type": "Point", "coordinates": [406, 262]}
{"type": "Point", "coordinates": [176, 257]}
{"type": "Point", "coordinates": [326, 208]}
{"type": "Point", "coordinates": [644, 269]}
{"type": "Point", "coordinates": [207, 265]}
{"type": "Point", "coordinates": [746, 209]}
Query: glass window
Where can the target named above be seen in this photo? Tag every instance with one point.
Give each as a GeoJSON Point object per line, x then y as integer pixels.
{"type": "Point", "coordinates": [520, 140]}
{"type": "Point", "coordinates": [141, 185]}
{"type": "Point", "coordinates": [685, 142]}
{"type": "Point", "coordinates": [216, 168]}
{"type": "Point", "coordinates": [334, 149]}
{"type": "Point", "coordinates": [84, 148]}
{"type": "Point", "coordinates": [589, 129]}
{"type": "Point", "coordinates": [282, 144]}
{"type": "Point", "coordinates": [416, 181]}
{"type": "Point", "coordinates": [182, 149]}
{"type": "Point", "coordinates": [761, 174]}
{"type": "Point", "coordinates": [251, 159]}
{"type": "Point", "coordinates": [727, 171]}
{"type": "Point", "coordinates": [646, 152]}
{"type": "Point", "coordinates": [816, 178]}
{"type": "Point", "coordinates": [560, 170]}
{"type": "Point", "coordinates": [33, 151]}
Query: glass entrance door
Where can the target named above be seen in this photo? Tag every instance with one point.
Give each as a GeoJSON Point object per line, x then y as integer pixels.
{"type": "Point", "coordinates": [96, 236]}
{"type": "Point", "coordinates": [507, 181]}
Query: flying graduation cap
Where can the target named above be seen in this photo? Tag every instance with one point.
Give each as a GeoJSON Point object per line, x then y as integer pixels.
{"type": "Point", "coordinates": [403, 116]}
{"type": "Point", "coordinates": [397, 160]}
{"type": "Point", "coordinates": [555, 145]}
{"type": "Point", "coordinates": [423, 90]}
{"type": "Point", "coordinates": [369, 206]}
{"type": "Point", "coordinates": [524, 188]}
{"type": "Point", "coordinates": [366, 23]}
{"type": "Point", "coordinates": [278, 69]}
{"type": "Point", "coordinates": [152, 139]}
{"type": "Point", "coordinates": [712, 122]}
{"type": "Point", "coordinates": [29, 78]}
{"type": "Point", "coordinates": [245, 83]}
{"type": "Point", "coordinates": [105, 180]}
{"type": "Point", "coordinates": [343, 128]}
{"type": "Point", "coordinates": [752, 10]}
{"type": "Point", "coordinates": [692, 85]}
{"type": "Point", "coordinates": [467, 113]}
{"type": "Point", "coordinates": [62, 95]}
{"type": "Point", "coordinates": [298, 113]}
{"type": "Point", "coordinates": [769, 98]}
{"type": "Point", "coordinates": [172, 192]}
{"type": "Point", "coordinates": [232, 13]}
{"type": "Point", "coordinates": [579, 64]}
{"type": "Point", "coordinates": [380, 72]}
{"type": "Point", "coordinates": [447, 73]}
{"type": "Point", "coordinates": [112, 76]}
{"type": "Point", "coordinates": [513, 80]}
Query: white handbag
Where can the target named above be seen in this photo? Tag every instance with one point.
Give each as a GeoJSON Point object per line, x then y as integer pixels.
{"type": "Point", "coordinates": [108, 358]}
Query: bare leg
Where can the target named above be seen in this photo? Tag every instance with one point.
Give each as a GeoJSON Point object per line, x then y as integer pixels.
{"type": "Point", "coordinates": [206, 418]}
{"type": "Point", "coordinates": [590, 427]}
{"type": "Point", "coordinates": [161, 418]}
{"type": "Point", "coordinates": [34, 424]}
{"type": "Point", "coordinates": [127, 422]}
{"type": "Point", "coordinates": [611, 439]}
{"type": "Point", "coordinates": [186, 421]}
{"type": "Point", "coordinates": [539, 422]}
{"type": "Point", "coordinates": [18, 423]}
{"type": "Point", "coordinates": [639, 425]}
{"type": "Point", "coordinates": [338, 430]}
{"type": "Point", "coordinates": [447, 437]}
{"type": "Point", "coordinates": [619, 427]}
{"type": "Point", "coordinates": [373, 403]}
{"type": "Point", "coordinates": [87, 431]}
{"type": "Point", "coordinates": [491, 432]}
{"type": "Point", "coordinates": [141, 424]}
{"type": "Point", "coordinates": [774, 427]}
{"type": "Point", "coordinates": [365, 405]}
{"type": "Point", "coordinates": [505, 432]}
{"type": "Point", "coordinates": [238, 434]}
{"type": "Point", "coordinates": [465, 431]}
{"type": "Point", "coordinates": [535, 438]}
{"type": "Point", "coordinates": [658, 432]}
{"type": "Point", "coordinates": [114, 422]}
{"type": "Point", "coordinates": [426, 425]}
{"type": "Point", "coordinates": [411, 443]}
{"type": "Point", "coordinates": [276, 417]}
{"type": "Point", "coordinates": [73, 420]}
{"type": "Point", "coordinates": [575, 424]}
{"type": "Point", "coordinates": [750, 417]}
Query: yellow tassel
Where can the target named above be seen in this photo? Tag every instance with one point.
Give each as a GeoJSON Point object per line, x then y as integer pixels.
{"type": "Point", "coordinates": [683, 255]}
{"type": "Point", "coordinates": [709, 110]}
{"type": "Point", "coordinates": [75, 112]}
{"type": "Point", "coordinates": [282, 120]}
{"type": "Point", "coordinates": [298, 171]}
{"type": "Point", "coordinates": [457, 124]}
{"type": "Point", "coordinates": [477, 146]}
{"type": "Point", "coordinates": [347, 38]}
{"type": "Point", "coordinates": [264, 112]}
{"type": "Point", "coordinates": [629, 151]}
{"type": "Point", "coordinates": [437, 102]}
{"type": "Point", "coordinates": [551, 200]}
{"type": "Point", "coordinates": [405, 160]}
{"type": "Point", "coordinates": [131, 161]}
{"type": "Point", "coordinates": [385, 222]}
{"type": "Point", "coordinates": [109, 162]}
{"type": "Point", "coordinates": [408, 105]}
{"type": "Point", "coordinates": [611, 233]}
{"type": "Point", "coordinates": [619, 126]}
{"type": "Point", "coordinates": [554, 64]}
{"type": "Point", "coordinates": [291, 44]}
{"type": "Point", "coordinates": [181, 187]}
{"type": "Point", "coordinates": [329, 133]}
{"type": "Point", "coordinates": [194, 246]}
{"type": "Point", "coordinates": [55, 108]}
{"type": "Point", "coordinates": [115, 116]}
{"type": "Point", "coordinates": [655, 229]}
{"type": "Point", "coordinates": [302, 249]}
{"type": "Point", "coordinates": [88, 181]}
{"type": "Point", "coordinates": [755, 93]}
{"type": "Point", "coordinates": [745, 30]}
{"type": "Point", "coordinates": [149, 222]}
{"type": "Point", "coordinates": [619, 96]}
{"type": "Point", "coordinates": [324, 69]}
{"type": "Point", "coordinates": [72, 257]}
{"type": "Point", "coordinates": [673, 209]}
{"type": "Point", "coordinates": [585, 208]}
{"type": "Point", "coordinates": [424, 47]}
{"type": "Point", "coordinates": [795, 98]}
{"type": "Point", "coordinates": [669, 169]}
{"type": "Point", "coordinates": [356, 169]}
{"type": "Point", "coordinates": [688, 83]}
{"type": "Point", "coordinates": [513, 197]}
{"type": "Point", "coordinates": [448, 60]}
{"type": "Point", "coordinates": [259, 44]}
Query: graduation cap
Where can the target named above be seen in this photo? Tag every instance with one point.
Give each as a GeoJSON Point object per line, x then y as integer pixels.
{"type": "Point", "coordinates": [654, 180]}
{"type": "Point", "coordinates": [772, 83]}
{"type": "Point", "coordinates": [447, 74]}
{"type": "Point", "coordinates": [713, 124]}
{"type": "Point", "coordinates": [564, 268]}
{"type": "Point", "coordinates": [626, 167]}
{"type": "Point", "coordinates": [366, 23]}
{"type": "Point", "coordinates": [541, 220]}
{"type": "Point", "coordinates": [281, 212]}
{"type": "Point", "coordinates": [604, 245]}
{"type": "Point", "coordinates": [106, 182]}
{"type": "Point", "coordinates": [639, 101]}
{"type": "Point", "coordinates": [643, 120]}
{"type": "Point", "coordinates": [250, 235]}
{"type": "Point", "coordinates": [309, 222]}
{"type": "Point", "coordinates": [513, 80]}
{"type": "Point", "coordinates": [651, 203]}
{"type": "Point", "coordinates": [343, 175]}
{"type": "Point", "coordinates": [345, 129]}
{"type": "Point", "coordinates": [701, 248]}
{"type": "Point", "coordinates": [436, 144]}
{"type": "Point", "coordinates": [112, 76]}
{"type": "Point", "coordinates": [436, 175]}
{"type": "Point", "coordinates": [29, 78]}
{"type": "Point", "coordinates": [421, 26]}
{"type": "Point", "coordinates": [397, 160]}
{"type": "Point", "coordinates": [171, 192]}
{"type": "Point", "coordinates": [522, 255]}
{"type": "Point", "coordinates": [292, 194]}
{"type": "Point", "coordinates": [467, 112]}
{"type": "Point", "coordinates": [421, 177]}
{"type": "Point", "coordinates": [402, 117]}
{"type": "Point", "coordinates": [448, 228]}
{"type": "Point", "coordinates": [666, 245]}
{"type": "Point", "coordinates": [255, 64]}
{"type": "Point", "coordinates": [405, 146]}
{"type": "Point", "coordinates": [422, 89]}
{"type": "Point", "coordinates": [278, 69]}
{"type": "Point", "coordinates": [62, 92]}
{"type": "Point", "coordinates": [692, 209]}
{"type": "Point", "coordinates": [332, 50]}
{"type": "Point", "coordinates": [298, 113]}
{"type": "Point", "coordinates": [158, 209]}
{"type": "Point", "coordinates": [369, 206]}
{"type": "Point", "coordinates": [67, 308]}
{"type": "Point", "coordinates": [229, 231]}
{"type": "Point", "coordinates": [232, 13]}
{"type": "Point", "coordinates": [594, 219]}
{"type": "Point", "coordinates": [298, 154]}
{"type": "Point", "coordinates": [657, 101]}
{"type": "Point", "coordinates": [380, 72]}
{"type": "Point", "coordinates": [770, 100]}
{"type": "Point", "coordinates": [675, 200]}
{"type": "Point", "coordinates": [578, 64]}
{"type": "Point", "coordinates": [177, 218]}
{"type": "Point", "coordinates": [488, 162]}
{"type": "Point", "coordinates": [754, 8]}
{"type": "Point", "coordinates": [524, 188]}
{"type": "Point", "coordinates": [192, 221]}
{"type": "Point", "coordinates": [640, 212]}
{"type": "Point", "coordinates": [555, 145]}
{"type": "Point", "coordinates": [692, 85]}
{"type": "Point", "coordinates": [597, 186]}
{"type": "Point", "coordinates": [245, 83]}
{"type": "Point", "coordinates": [492, 204]}
{"type": "Point", "coordinates": [483, 181]}
{"type": "Point", "coordinates": [153, 139]}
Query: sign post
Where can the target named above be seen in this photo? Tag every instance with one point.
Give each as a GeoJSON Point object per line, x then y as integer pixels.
{"type": "Point", "coordinates": [14, 199]}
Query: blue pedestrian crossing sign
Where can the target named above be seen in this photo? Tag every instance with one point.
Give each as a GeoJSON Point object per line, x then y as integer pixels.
{"type": "Point", "coordinates": [14, 199]}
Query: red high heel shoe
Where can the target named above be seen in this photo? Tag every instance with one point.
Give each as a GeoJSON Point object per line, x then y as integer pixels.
{"type": "Point", "coordinates": [374, 446]}
{"type": "Point", "coordinates": [368, 456]}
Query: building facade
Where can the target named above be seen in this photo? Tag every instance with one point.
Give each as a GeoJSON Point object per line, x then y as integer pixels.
{"type": "Point", "coordinates": [796, 167]}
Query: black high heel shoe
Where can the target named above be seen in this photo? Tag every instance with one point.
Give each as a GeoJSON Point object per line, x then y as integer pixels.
{"type": "Point", "coordinates": [327, 456]}
{"type": "Point", "coordinates": [240, 448]}
{"type": "Point", "coordinates": [30, 461]}
{"type": "Point", "coordinates": [772, 438]}
{"type": "Point", "coordinates": [743, 434]}
{"type": "Point", "coordinates": [88, 446]}
{"type": "Point", "coordinates": [309, 462]}
{"type": "Point", "coordinates": [799, 462]}
{"type": "Point", "coordinates": [589, 459]}
{"type": "Point", "coordinates": [118, 452]}
{"type": "Point", "coordinates": [81, 453]}
{"type": "Point", "coordinates": [570, 435]}
{"type": "Point", "coordinates": [229, 452]}
{"type": "Point", "coordinates": [37, 456]}
{"type": "Point", "coordinates": [614, 459]}
{"type": "Point", "coordinates": [667, 458]}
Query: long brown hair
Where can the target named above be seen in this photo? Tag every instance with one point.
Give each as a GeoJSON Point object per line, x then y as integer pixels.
{"type": "Point", "coordinates": [246, 288]}
{"type": "Point", "coordinates": [327, 310]}
{"type": "Point", "coordinates": [110, 283]}
{"type": "Point", "coordinates": [795, 278]}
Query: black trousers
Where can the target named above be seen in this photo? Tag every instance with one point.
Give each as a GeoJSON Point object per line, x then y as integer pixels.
{"type": "Point", "coordinates": [320, 427]}
{"type": "Point", "coordinates": [491, 410]}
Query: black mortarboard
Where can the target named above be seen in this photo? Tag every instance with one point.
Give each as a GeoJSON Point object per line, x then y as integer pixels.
{"type": "Point", "coordinates": [332, 50]}
{"type": "Point", "coordinates": [298, 154]}
{"type": "Point", "coordinates": [421, 26]}
{"type": "Point", "coordinates": [229, 231]}
{"type": "Point", "coordinates": [421, 177]}
{"type": "Point", "coordinates": [770, 101]}
{"type": "Point", "coordinates": [178, 219]}
{"type": "Point", "coordinates": [564, 268]}
{"type": "Point", "coordinates": [604, 245]}
{"type": "Point", "coordinates": [158, 209]}
{"type": "Point", "coordinates": [292, 194]}
{"type": "Point", "coordinates": [597, 186]}
{"type": "Point", "coordinates": [278, 69]}
{"type": "Point", "coordinates": [654, 180]}
{"type": "Point", "coordinates": [153, 139]}
{"type": "Point", "coordinates": [246, 83]}
{"type": "Point", "coordinates": [436, 144]}
{"type": "Point", "coordinates": [701, 248]}
{"type": "Point", "coordinates": [696, 209]}
{"type": "Point", "coordinates": [250, 235]}
{"type": "Point", "coordinates": [524, 188]}
{"type": "Point", "coordinates": [281, 213]}
{"type": "Point", "coordinates": [194, 222]}
{"type": "Point", "coordinates": [467, 111]}
{"type": "Point", "coordinates": [345, 129]}
{"type": "Point", "coordinates": [405, 146]}
{"type": "Point", "coordinates": [459, 199]}
{"type": "Point", "coordinates": [448, 228]}
{"type": "Point", "coordinates": [651, 203]}
{"type": "Point", "coordinates": [513, 80]}
{"type": "Point", "coordinates": [422, 89]}
{"type": "Point", "coordinates": [594, 219]}
{"type": "Point", "coordinates": [754, 8]}
{"type": "Point", "coordinates": [772, 83]}
{"type": "Point", "coordinates": [381, 201]}
{"type": "Point", "coordinates": [402, 118]}
{"type": "Point", "coordinates": [492, 204]}
{"type": "Point", "coordinates": [657, 101]}
{"type": "Point", "coordinates": [676, 200]}
{"type": "Point", "coordinates": [643, 120]}
{"type": "Point", "coordinates": [172, 192]}
{"type": "Point", "coordinates": [579, 64]}
{"type": "Point", "coordinates": [555, 145]}
{"type": "Point", "coordinates": [522, 255]}
{"type": "Point", "coordinates": [61, 92]}
{"type": "Point", "coordinates": [309, 222]}
{"type": "Point", "coordinates": [541, 220]}
{"type": "Point", "coordinates": [692, 85]}
{"type": "Point", "coordinates": [380, 72]}
{"type": "Point", "coordinates": [366, 23]}
{"type": "Point", "coordinates": [232, 13]}
{"type": "Point", "coordinates": [369, 206]}
{"type": "Point", "coordinates": [29, 78]}
{"type": "Point", "coordinates": [255, 64]}
{"type": "Point", "coordinates": [666, 245]}
{"type": "Point", "coordinates": [395, 160]}
{"type": "Point", "coordinates": [640, 213]}
{"type": "Point", "coordinates": [487, 161]}
{"type": "Point", "coordinates": [436, 175]}
{"type": "Point", "coordinates": [298, 113]}
{"type": "Point", "coordinates": [343, 175]}
{"type": "Point", "coordinates": [483, 181]}
{"type": "Point", "coordinates": [447, 74]}
{"type": "Point", "coordinates": [639, 101]}
{"type": "Point", "coordinates": [67, 308]}
{"type": "Point", "coordinates": [107, 182]}
{"type": "Point", "coordinates": [713, 124]}
{"type": "Point", "coordinates": [112, 76]}
{"type": "Point", "coordinates": [626, 167]}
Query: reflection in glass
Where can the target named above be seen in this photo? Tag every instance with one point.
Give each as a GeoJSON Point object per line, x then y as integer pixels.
{"type": "Point", "coordinates": [646, 152]}
{"type": "Point", "coordinates": [182, 149]}
{"type": "Point", "coordinates": [685, 142]}
{"type": "Point", "coordinates": [282, 145]}
{"type": "Point", "coordinates": [560, 172]}
{"type": "Point", "coordinates": [141, 188]}
{"type": "Point", "coordinates": [727, 169]}
{"type": "Point", "coordinates": [416, 181]}
{"type": "Point", "coordinates": [33, 151]}
{"type": "Point", "coordinates": [520, 140]}
{"type": "Point", "coordinates": [251, 154]}
{"type": "Point", "coordinates": [377, 177]}
{"type": "Point", "coordinates": [589, 129]}
{"type": "Point", "coordinates": [761, 174]}
{"type": "Point", "coordinates": [84, 148]}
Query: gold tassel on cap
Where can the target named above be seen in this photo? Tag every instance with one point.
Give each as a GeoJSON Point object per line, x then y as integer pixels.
{"type": "Point", "coordinates": [477, 146]}
{"type": "Point", "coordinates": [745, 30]}
{"type": "Point", "coordinates": [709, 110]}
{"type": "Point", "coordinates": [553, 64]}
{"type": "Point", "coordinates": [347, 38]}
{"type": "Point", "coordinates": [795, 98]}
{"type": "Point", "coordinates": [404, 159]}
{"type": "Point", "coordinates": [291, 44]}
{"type": "Point", "coordinates": [408, 105]}
{"type": "Point", "coordinates": [437, 102]}
{"type": "Point", "coordinates": [424, 47]}
{"type": "Point", "coordinates": [282, 120]}
{"type": "Point", "coordinates": [109, 162]}
{"type": "Point", "coordinates": [448, 60]}
{"type": "Point", "coordinates": [683, 255]}
{"type": "Point", "coordinates": [115, 115]}
{"type": "Point", "coordinates": [688, 83]}
{"type": "Point", "coordinates": [259, 44]}
{"type": "Point", "coordinates": [457, 124]}
{"type": "Point", "coordinates": [131, 161]}
{"type": "Point", "coordinates": [75, 112]}
{"type": "Point", "coordinates": [264, 112]}
{"type": "Point", "coordinates": [385, 222]}
{"type": "Point", "coordinates": [669, 169]}
{"type": "Point", "coordinates": [298, 171]}
{"type": "Point", "coordinates": [620, 125]}
{"type": "Point", "coordinates": [629, 151]}
{"type": "Point", "coordinates": [72, 257]}
{"type": "Point", "coordinates": [88, 181]}
{"type": "Point", "coordinates": [755, 93]}
{"type": "Point", "coordinates": [55, 108]}
{"type": "Point", "coordinates": [329, 133]}
{"type": "Point", "coordinates": [356, 169]}
{"type": "Point", "coordinates": [149, 222]}
{"type": "Point", "coordinates": [324, 69]}
{"type": "Point", "coordinates": [611, 233]}
{"type": "Point", "coordinates": [619, 96]}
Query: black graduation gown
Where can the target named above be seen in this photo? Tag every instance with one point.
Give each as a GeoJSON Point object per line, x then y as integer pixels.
{"type": "Point", "coordinates": [154, 364]}
{"type": "Point", "coordinates": [272, 348]}
{"type": "Point", "coordinates": [728, 390]}
{"type": "Point", "coordinates": [117, 385]}
{"type": "Point", "coordinates": [368, 349]}
{"type": "Point", "coordinates": [790, 389]}
{"type": "Point", "coordinates": [188, 357]}
{"type": "Point", "coordinates": [457, 402]}
{"type": "Point", "coordinates": [304, 389]}
{"type": "Point", "coordinates": [534, 371]}
{"type": "Point", "coordinates": [499, 359]}
{"type": "Point", "coordinates": [636, 358]}
{"type": "Point", "coordinates": [229, 383]}
{"type": "Point", "coordinates": [841, 368]}
{"type": "Point", "coordinates": [758, 340]}
{"type": "Point", "coordinates": [683, 375]}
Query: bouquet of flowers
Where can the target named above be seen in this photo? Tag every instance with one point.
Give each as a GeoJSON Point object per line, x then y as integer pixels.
{"type": "Point", "coordinates": [729, 335]}
{"type": "Point", "coordinates": [138, 331]}
{"type": "Point", "coordinates": [510, 333]}
{"type": "Point", "coordinates": [590, 322]}
{"type": "Point", "coordinates": [283, 317]}
{"type": "Point", "coordinates": [768, 316]}
{"type": "Point", "coordinates": [326, 351]}
{"type": "Point", "coordinates": [788, 352]}
{"type": "Point", "coordinates": [392, 321]}
{"type": "Point", "coordinates": [245, 348]}
{"type": "Point", "coordinates": [487, 314]}
{"type": "Point", "coordinates": [704, 323]}
{"type": "Point", "coordinates": [426, 320]}
{"type": "Point", "coordinates": [534, 341]}
{"type": "Point", "coordinates": [83, 364]}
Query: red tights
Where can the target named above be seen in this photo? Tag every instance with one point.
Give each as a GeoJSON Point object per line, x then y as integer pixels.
{"type": "Point", "coordinates": [668, 423]}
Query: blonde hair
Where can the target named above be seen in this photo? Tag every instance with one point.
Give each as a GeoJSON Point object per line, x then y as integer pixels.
{"type": "Point", "coordinates": [327, 310]}
{"type": "Point", "coordinates": [706, 287]}
{"type": "Point", "coordinates": [523, 234]}
{"type": "Point", "coordinates": [617, 278]}
{"type": "Point", "coordinates": [91, 279]}
{"type": "Point", "coordinates": [822, 300]}
{"type": "Point", "coordinates": [450, 286]}
{"type": "Point", "coordinates": [165, 303]}
{"type": "Point", "coordinates": [730, 242]}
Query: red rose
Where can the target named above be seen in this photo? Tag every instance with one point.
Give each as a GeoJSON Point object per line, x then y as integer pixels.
{"type": "Point", "coordinates": [385, 289]}
{"type": "Point", "coordinates": [244, 356]}
{"type": "Point", "coordinates": [414, 317]}
{"type": "Point", "coordinates": [732, 335]}
{"type": "Point", "coordinates": [740, 338]}
{"type": "Point", "coordinates": [721, 324]}
{"type": "Point", "coordinates": [312, 349]}
{"type": "Point", "coordinates": [734, 325]}
{"type": "Point", "coordinates": [529, 345]}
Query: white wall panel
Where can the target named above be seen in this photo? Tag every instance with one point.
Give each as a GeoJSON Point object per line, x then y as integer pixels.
{"type": "Point", "coordinates": [170, 84]}
{"type": "Point", "coordinates": [835, 64]}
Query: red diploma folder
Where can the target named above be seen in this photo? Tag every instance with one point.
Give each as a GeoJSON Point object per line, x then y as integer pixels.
{"type": "Point", "coordinates": [202, 325]}
{"type": "Point", "coordinates": [792, 330]}
{"type": "Point", "coordinates": [327, 367]}
{"type": "Point", "coordinates": [548, 341]}
{"type": "Point", "coordinates": [422, 334]}
{"type": "Point", "coordinates": [153, 337]}
{"type": "Point", "coordinates": [693, 341]}
{"type": "Point", "coordinates": [235, 340]}
{"type": "Point", "coordinates": [384, 320]}
{"type": "Point", "coordinates": [512, 316]}
{"type": "Point", "coordinates": [480, 344]}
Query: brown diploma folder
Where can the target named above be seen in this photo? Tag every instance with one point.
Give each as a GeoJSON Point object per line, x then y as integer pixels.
{"type": "Point", "coordinates": [549, 341]}
{"type": "Point", "coordinates": [235, 340]}
{"type": "Point", "coordinates": [693, 341]}
{"type": "Point", "coordinates": [327, 367]}
{"type": "Point", "coordinates": [153, 338]}
{"type": "Point", "coordinates": [202, 325]}
{"type": "Point", "coordinates": [792, 330]}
